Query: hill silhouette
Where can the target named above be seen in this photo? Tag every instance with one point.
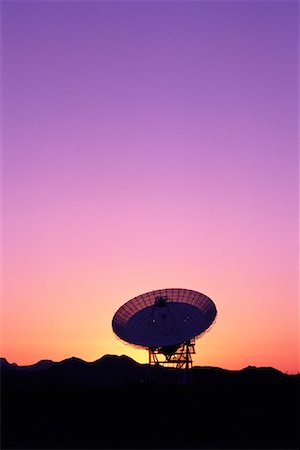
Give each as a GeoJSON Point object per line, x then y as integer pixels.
{"type": "Point", "coordinates": [115, 402]}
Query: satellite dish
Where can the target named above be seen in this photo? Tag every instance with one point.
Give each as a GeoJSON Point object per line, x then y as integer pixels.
{"type": "Point", "coordinates": [166, 322]}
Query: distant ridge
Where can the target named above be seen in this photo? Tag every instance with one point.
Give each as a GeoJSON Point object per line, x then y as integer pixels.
{"type": "Point", "coordinates": [43, 364]}
{"type": "Point", "coordinates": [72, 361]}
{"type": "Point", "coordinates": [111, 360]}
{"type": "Point", "coordinates": [4, 363]}
{"type": "Point", "coordinates": [113, 370]}
{"type": "Point", "coordinates": [109, 370]}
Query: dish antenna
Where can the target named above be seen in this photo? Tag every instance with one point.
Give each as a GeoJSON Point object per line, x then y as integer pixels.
{"type": "Point", "coordinates": [166, 322]}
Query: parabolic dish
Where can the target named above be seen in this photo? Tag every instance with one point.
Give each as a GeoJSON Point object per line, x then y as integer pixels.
{"type": "Point", "coordinates": [164, 318]}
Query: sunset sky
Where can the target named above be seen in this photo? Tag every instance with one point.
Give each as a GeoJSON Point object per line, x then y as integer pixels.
{"type": "Point", "coordinates": [148, 145]}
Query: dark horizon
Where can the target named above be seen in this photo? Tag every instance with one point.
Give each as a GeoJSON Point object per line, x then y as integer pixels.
{"type": "Point", "coordinates": [73, 404]}
{"type": "Point", "coordinates": [249, 366]}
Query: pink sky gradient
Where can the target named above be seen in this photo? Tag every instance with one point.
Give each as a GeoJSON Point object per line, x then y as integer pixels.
{"type": "Point", "coordinates": [150, 145]}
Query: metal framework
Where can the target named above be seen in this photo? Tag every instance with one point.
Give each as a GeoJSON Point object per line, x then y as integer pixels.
{"type": "Point", "coordinates": [179, 358]}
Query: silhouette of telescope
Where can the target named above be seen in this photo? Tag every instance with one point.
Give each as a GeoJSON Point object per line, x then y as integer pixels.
{"type": "Point", "coordinates": [166, 322]}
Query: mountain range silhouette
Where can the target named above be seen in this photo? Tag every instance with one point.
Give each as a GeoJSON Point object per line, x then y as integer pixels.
{"type": "Point", "coordinates": [115, 402]}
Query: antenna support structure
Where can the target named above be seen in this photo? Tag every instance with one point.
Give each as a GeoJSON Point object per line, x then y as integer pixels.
{"type": "Point", "coordinates": [177, 357]}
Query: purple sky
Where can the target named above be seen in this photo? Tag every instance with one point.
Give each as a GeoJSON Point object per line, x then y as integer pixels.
{"type": "Point", "coordinates": [150, 145]}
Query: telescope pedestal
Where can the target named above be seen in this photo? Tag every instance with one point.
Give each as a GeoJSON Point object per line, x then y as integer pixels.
{"type": "Point", "coordinates": [178, 358]}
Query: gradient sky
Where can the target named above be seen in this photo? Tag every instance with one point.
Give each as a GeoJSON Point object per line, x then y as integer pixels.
{"type": "Point", "coordinates": [149, 145]}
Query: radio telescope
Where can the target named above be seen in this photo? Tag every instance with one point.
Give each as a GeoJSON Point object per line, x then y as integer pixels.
{"type": "Point", "coordinates": [166, 322]}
